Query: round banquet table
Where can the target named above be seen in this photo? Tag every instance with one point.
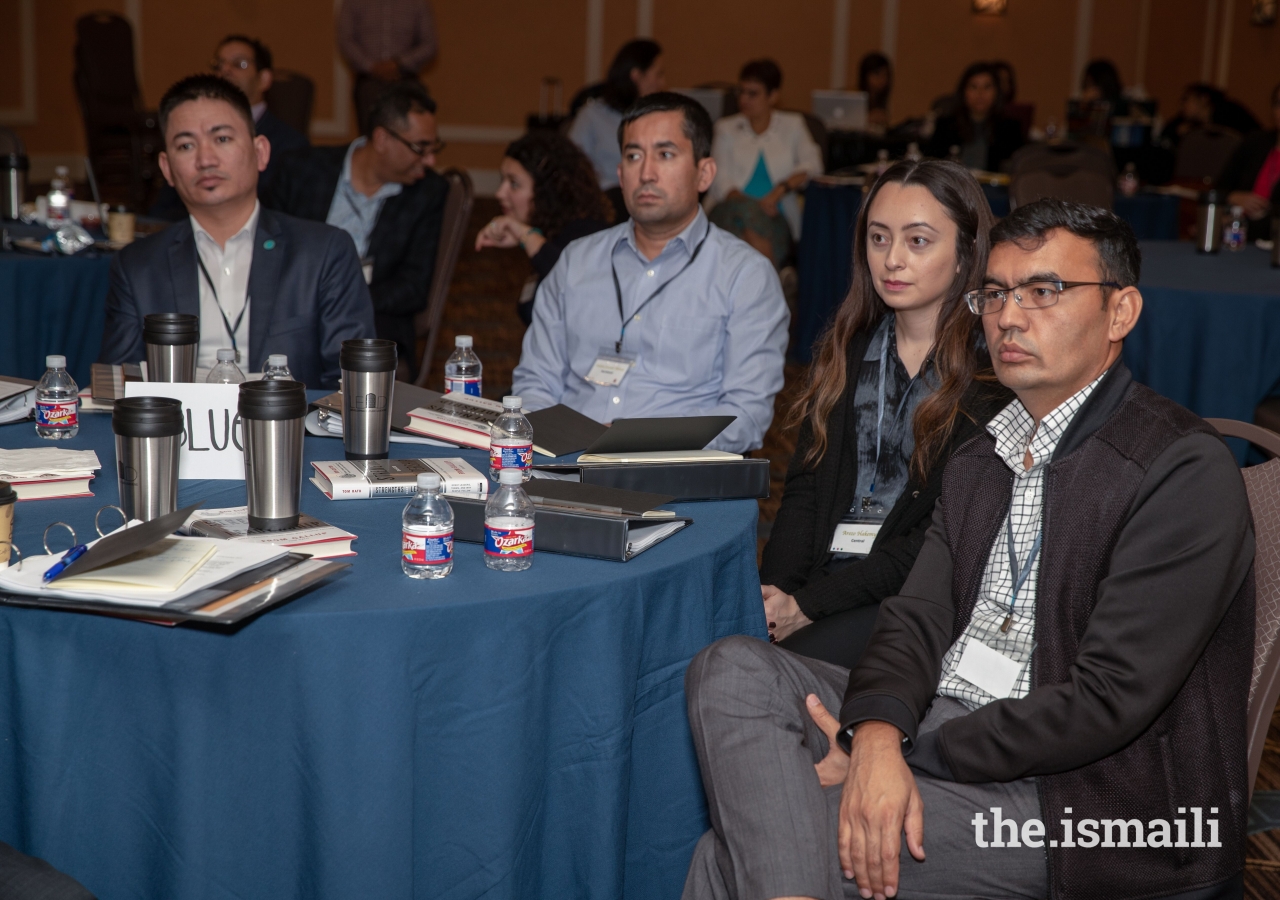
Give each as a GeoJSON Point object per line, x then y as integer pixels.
{"type": "Point", "coordinates": [489, 734]}
{"type": "Point", "coordinates": [1209, 333]}
{"type": "Point", "coordinates": [52, 304]}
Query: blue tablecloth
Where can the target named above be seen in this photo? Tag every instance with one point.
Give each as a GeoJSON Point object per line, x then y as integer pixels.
{"type": "Point", "coordinates": [51, 305]}
{"type": "Point", "coordinates": [1209, 334]}
{"type": "Point", "coordinates": [824, 255]}
{"type": "Point", "coordinates": [491, 734]}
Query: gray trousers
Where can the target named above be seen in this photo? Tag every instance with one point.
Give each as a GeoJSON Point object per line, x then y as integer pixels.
{"type": "Point", "coordinates": [774, 827]}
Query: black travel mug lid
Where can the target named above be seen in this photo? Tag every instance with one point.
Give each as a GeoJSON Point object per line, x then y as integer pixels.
{"type": "Point", "coordinates": [147, 417]}
{"type": "Point", "coordinates": [171, 328]}
{"type": "Point", "coordinates": [1211, 196]}
{"type": "Point", "coordinates": [13, 161]}
{"type": "Point", "coordinates": [368, 355]}
{"type": "Point", "coordinates": [273, 400]}
{"type": "Point", "coordinates": [7, 494]}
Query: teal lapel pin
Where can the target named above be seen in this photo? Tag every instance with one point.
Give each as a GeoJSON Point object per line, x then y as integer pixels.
{"type": "Point", "coordinates": [268, 245]}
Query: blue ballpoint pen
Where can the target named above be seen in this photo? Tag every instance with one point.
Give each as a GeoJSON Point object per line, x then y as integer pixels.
{"type": "Point", "coordinates": [72, 555]}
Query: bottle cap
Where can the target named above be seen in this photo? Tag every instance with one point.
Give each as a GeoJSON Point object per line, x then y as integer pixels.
{"type": "Point", "coordinates": [511, 402]}
{"type": "Point", "coordinates": [277, 360]}
{"type": "Point", "coordinates": [462, 340]}
{"type": "Point", "coordinates": [55, 362]}
{"type": "Point", "coordinates": [429, 481]}
{"type": "Point", "coordinates": [511, 476]}
{"type": "Point", "coordinates": [226, 354]}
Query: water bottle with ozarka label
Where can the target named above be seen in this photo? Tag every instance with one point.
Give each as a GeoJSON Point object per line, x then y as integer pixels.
{"type": "Point", "coordinates": [426, 547]}
{"type": "Point", "coordinates": [57, 402]}
{"type": "Point", "coordinates": [511, 441]}
{"type": "Point", "coordinates": [462, 370]}
{"type": "Point", "coordinates": [508, 525]}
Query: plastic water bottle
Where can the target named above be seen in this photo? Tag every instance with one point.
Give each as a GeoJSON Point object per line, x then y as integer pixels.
{"type": "Point", "coordinates": [277, 368]}
{"type": "Point", "coordinates": [226, 371]}
{"type": "Point", "coordinates": [57, 402]}
{"type": "Point", "coordinates": [462, 370]}
{"type": "Point", "coordinates": [426, 548]}
{"type": "Point", "coordinates": [1233, 235]}
{"type": "Point", "coordinates": [510, 440]}
{"type": "Point", "coordinates": [508, 525]}
{"type": "Point", "coordinates": [60, 197]}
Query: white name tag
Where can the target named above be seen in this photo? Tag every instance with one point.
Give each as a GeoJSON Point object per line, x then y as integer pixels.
{"type": "Point", "coordinates": [608, 371]}
{"type": "Point", "coordinates": [855, 537]}
{"type": "Point", "coordinates": [988, 669]}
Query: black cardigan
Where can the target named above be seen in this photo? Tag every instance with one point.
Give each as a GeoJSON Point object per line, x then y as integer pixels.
{"type": "Point", "coordinates": [1003, 139]}
{"type": "Point", "coordinates": [545, 259]}
{"type": "Point", "coordinates": [815, 498]}
{"type": "Point", "coordinates": [1242, 169]}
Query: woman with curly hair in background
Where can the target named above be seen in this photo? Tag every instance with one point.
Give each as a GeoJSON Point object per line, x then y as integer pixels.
{"type": "Point", "coordinates": [550, 196]}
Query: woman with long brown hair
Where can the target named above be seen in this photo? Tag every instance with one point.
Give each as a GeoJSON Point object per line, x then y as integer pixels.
{"type": "Point", "coordinates": [901, 378]}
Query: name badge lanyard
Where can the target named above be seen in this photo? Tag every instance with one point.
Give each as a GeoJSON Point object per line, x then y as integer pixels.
{"type": "Point", "coordinates": [231, 330]}
{"type": "Point", "coordinates": [884, 354]}
{"type": "Point", "coordinates": [1019, 578]}
{"type": "Point", "coordinates": [617, 288]}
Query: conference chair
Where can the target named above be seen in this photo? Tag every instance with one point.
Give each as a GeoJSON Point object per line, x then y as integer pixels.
{"type": "Point", "coordinates": [1263, 485]}
{"type": "Point", "coordinates": [290, 99]}
{"type": "Point", "coordinates": [1203, 153]}
{"type": "Point", "coordinates": [123, 137]}
{"type": "Point", "coordinates": [1067, 170]}
{"type": "Point", "coordinates": [453, 231]}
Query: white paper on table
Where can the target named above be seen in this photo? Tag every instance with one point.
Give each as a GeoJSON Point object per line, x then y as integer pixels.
{"type": "Point", "coordinates": [38, 462]}
{"type": "Point", "coordinates": [213, 444]}
{"type": "Point", "coordinates": [231, 558]}
{"type": "Point", "coordinates": [161, 568]}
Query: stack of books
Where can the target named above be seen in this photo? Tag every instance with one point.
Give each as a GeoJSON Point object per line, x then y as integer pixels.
{"type": "Point", "coordinates": [45, 473]}
{"type": "Point", "coordinates": [317, 539]}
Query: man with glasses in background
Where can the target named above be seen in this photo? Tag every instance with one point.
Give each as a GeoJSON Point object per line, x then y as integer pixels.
{"type": "Point", "coordinates": [382, 190]}
{"type": "Point", "coordinates": [246, 63]}
{"type": "Point", "coordinates": [1055, 703]}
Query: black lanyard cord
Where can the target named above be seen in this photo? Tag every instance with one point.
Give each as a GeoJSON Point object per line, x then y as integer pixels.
{"type": "Point", "coordinates": [617, 287]}
{"type": "Point", "coordinates": [226, 323]}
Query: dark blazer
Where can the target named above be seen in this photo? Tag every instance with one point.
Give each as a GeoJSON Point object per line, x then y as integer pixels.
{"type": "Point", "coordinates": [1003, 140]}
{"type": "Point", "coordinates": [1144, 640]}
{"type": "Point", "coordinates": [404, 239]}
{"type": "Point", "coordinates": [814, 500]}
{"type": "Point", "coordinates": [307, 294]}
{"type": "Point", "coordinates": [1242, 169]}
{"type": "Point", "coordinates": [283, 139]}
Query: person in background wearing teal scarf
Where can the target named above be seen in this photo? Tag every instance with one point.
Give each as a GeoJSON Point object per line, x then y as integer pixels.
{"type": "Point", "coordinates": [763, 157]}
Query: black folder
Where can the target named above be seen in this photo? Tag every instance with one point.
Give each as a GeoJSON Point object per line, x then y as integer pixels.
{"type": "Point", "coordinates": [660, 434]}
{"type": "Point", "coordinates": [563, 430]}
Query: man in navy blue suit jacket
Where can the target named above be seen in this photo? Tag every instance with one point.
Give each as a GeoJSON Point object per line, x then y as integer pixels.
{"type": "Point", "coordinates": [261, 282]}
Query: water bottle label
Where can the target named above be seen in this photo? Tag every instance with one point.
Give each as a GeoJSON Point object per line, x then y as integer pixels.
{"type": "Point", "coordinates": [511, 456]}
{"type": "Point", "coordinates": [58, 414]}
{"type": "Point", "coordinates": [431, 549]}
{"type": "Point", "coordinates": [514, 542]}
{"type": "Point", "coordinates": [463, 386]}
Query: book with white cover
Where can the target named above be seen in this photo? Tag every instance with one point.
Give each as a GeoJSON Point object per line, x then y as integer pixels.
{"type": "Point", "coordinates": [461, 419]}
{"type": "Point", "coordinates": [317, 539]}
{"type": "Point", "coordinates": [367, 479]}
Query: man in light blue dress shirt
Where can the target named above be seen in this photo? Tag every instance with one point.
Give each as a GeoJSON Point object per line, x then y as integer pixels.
{"type": "Point", "coordinates": [666, 314]}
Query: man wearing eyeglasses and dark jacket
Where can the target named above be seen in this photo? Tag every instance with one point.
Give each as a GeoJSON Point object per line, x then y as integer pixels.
{"type": "Point", "coordinates": [382, 190]}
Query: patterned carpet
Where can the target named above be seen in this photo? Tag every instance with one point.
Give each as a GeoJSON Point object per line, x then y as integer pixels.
{"type": "Point", "coordinates": [482, 303]}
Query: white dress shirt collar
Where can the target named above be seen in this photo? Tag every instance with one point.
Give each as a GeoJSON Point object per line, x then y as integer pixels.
{"type": "Point", "coordinates": [1012, 428]}
{"type": "Point", "coordinates": [258, 109]}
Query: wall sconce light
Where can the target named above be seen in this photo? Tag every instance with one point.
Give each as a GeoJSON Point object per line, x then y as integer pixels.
{"type": "Point", "coordinates": [1263, 13]}
{"type": "Point", "coordinates": [998, 7]}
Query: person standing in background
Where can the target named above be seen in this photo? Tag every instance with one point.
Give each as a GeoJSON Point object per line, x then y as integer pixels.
{"type": "Point", "coordinates": [384, 41]}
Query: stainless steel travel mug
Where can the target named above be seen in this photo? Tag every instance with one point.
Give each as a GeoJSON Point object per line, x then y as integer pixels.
{"type": "Point", "coordinates": [13, 184]}
{"type": "Point", "coordinates": [148, 437]}
{"type": "Point", "coordinates": [271, 416]}
{"type": "Point", "coordinates": [171, 339]}
{"type": "Point", "coordinates": [368, 386]}
{"type": "Point", "coordinates": [1209, 222]}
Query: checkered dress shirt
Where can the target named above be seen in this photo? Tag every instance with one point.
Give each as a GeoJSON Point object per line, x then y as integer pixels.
{"type": "Point", "coordinates": [1015, 433]}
